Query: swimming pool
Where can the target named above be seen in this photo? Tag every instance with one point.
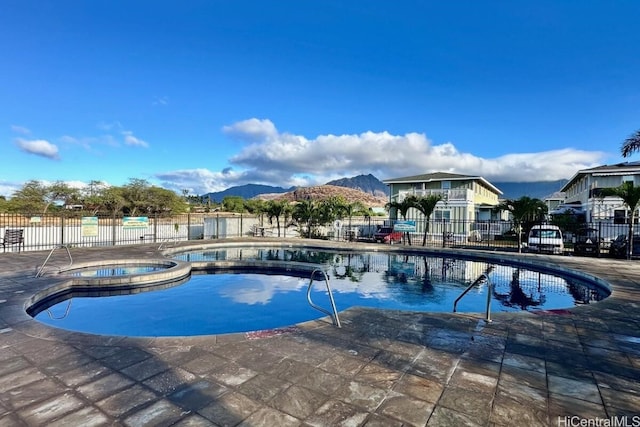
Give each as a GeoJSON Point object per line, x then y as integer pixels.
{"type": "Point", "coordinates": [246, 289]}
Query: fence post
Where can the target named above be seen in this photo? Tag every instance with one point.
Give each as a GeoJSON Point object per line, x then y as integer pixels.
{"type": "Point", "coordinates": [155, 227]}
{"type": "Point", "coordinates": [113, 229]}
{"type": "Point", "coordinates": [62, 229]}
{"type": "Point", "coordinates": [240, 225]}
{"type": "Point", "coordinates": [188, 224]}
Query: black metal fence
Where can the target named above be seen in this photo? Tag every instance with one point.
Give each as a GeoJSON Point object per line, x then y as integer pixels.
{"type": "Point", "coordinates": [47, 231]}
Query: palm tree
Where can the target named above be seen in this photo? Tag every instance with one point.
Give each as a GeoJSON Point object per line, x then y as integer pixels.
{"type": "Point", "coordinates": [523, 209]}
{"type": "Point", "coordinates": [631, 144]}
{"type": "Point", "coordinates": [403, 208]}
{"type": "Point", "coordinates": [426, 206]}
{"type": "Point", "coordinates": [630, 196]}
{"type": "Point", "coordinates": [274, 209]}
{"type": "Point", "coordinates": [304, 212]}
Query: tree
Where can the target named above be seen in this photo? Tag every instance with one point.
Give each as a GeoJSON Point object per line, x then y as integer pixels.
{"type": "Point", "coordinates": [523, 209]}
{"type": "Point", "coordinates": [30, 198]}
{"type": "Point", "coordinates": [274, 209]}
{"type": "Point", "coordinates": [403, 208]}
{"type": "Point", "coordinates": [630, 196]}
{"type": "Point", "coordinates": [426, 206]}
{"type": "Point", "coordinates": [631, 144]}
{"type": "Point", "coordinates": [303, 212]}
{"type": "Point", "coordinates": [233, 204]}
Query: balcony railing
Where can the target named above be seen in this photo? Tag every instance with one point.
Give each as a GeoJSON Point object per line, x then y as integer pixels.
{"type": "Point", "coordinates": [447, 195]}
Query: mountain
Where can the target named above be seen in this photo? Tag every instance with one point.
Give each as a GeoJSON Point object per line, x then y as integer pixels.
{"type": "Point", "coordinates": [323, 192]}
{"type": "Point", "coordinates": [372, 186]}
{"type": "Point", "coordinates": [366, 183]}
{"type": "Point", "coordinates": [536, 190]}
{"type": "Point", "coordinates": [246, 191]}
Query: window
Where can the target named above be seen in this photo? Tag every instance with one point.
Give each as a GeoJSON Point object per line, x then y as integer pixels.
{"type": "Point", "coordinates": [442, 215]}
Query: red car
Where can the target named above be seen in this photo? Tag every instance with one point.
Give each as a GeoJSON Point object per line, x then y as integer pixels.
{"type": "Point", "coordinates": [387, 235]}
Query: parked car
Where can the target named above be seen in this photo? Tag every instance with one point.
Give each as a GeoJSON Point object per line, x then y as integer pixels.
{"type": "Point", "coordinates": [545, 238]}
{"type": "Point", "coordinates": [587, 242]}
{"type": "Point", "coordinates": [618, 248]}
{"type": "Point", "coordinates": [387, 235]}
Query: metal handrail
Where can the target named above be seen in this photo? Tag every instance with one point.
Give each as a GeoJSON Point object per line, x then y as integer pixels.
{"type": "Point", "coordinates": [334, 315]}
{"type": "Point", "coordinates": [482, 278]}
{"type": "Point", "coordinates": [41, 269]}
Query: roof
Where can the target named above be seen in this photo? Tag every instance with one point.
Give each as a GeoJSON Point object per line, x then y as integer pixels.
{"type": "Point", "coordinates": [625, 168]}
{"type": "Point", "coordinates": [440, 176]}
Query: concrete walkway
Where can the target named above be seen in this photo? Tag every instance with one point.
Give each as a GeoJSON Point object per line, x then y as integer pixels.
{"type": "Point", "coordinates": [383, 368]}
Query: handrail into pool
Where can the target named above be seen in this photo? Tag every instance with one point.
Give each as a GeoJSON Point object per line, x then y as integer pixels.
{"type": "Point", "coordinates": [483, 277]}
{"type": "Point", "coordinates": [41, 269]}
{"type": "Point", "coordinates": [334, 315]}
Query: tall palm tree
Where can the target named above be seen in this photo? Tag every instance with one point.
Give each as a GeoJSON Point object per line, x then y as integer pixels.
{"type": "Point", "coordinates": [426, 206]}
{"type": "Point", "coordinates": [304, 212]}
{"type": "Point", "coordinates": [630, 196]}
{"type": "Point", "coordinates": [275, 209]}
{"type": "Point", "coordinates": [631, 144]}
{"type": "Point", "coordinates": [523, 209]}
{"type": "Point", "coordinates": [403, 208]}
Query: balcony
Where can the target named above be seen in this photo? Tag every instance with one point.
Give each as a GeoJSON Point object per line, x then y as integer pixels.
{"type": "Point", "coordinates": [451, 195]}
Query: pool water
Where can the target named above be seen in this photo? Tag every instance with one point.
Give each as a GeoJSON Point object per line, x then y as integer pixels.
{"type": "Point", "coordinates": [113, 270]}
{"type": "Point", "coordinates": [242, 301]}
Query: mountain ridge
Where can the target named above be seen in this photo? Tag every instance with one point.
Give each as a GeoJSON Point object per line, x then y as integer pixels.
{"type": "Point", "coordinates": [371, 185]}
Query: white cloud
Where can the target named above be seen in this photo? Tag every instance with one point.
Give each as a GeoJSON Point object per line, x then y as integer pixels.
{"type": "Point", "coordinates": [252, 130]}
{"type": "Point", "coordinates": [20, 129]}
{"type": "Point", "coordinates": [283, 159]}
{"type": "Point", "coordinates": [39, 147]}
{"type": "Point", "coordinates": [129, 139]}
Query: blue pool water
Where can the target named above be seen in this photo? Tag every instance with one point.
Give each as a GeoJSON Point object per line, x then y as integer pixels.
{"type": "Point", "coordinates": [242, 301]}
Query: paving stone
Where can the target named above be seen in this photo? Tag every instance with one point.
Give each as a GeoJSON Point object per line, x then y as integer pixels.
{"type": "Point", "coordinates": [378, 376]}
{"type": "Point", "coordinates": [506, 410]}
{"type": "Point", "coordinates": [13, 364]}
{"type": "Point", "coordinates": [168, 381]}
{"type": "Point", "coordinates": [564, 408]}
{"type": "Point", "coordinates": [407, 409]}
{"type": "Point", "coordinates": [204, 363]}
{"type": "Point", "coordinates": [420, 388]}
{"type": "Point", "coordinates": [231, 374]}
{"type": "Point", "coordinates": [524, 362]}
{"type": "Point", "coordinates": [621, 403]}
{"type": "Point", "coordinates": [45, 412]}
{"type": "Point", "coordinates": [300, 402]}
{"type": "Point", "coordinates": [20, 378]}
{"type": "Point", "coordinates": [194, 421]}
{"type": "Point", "coordinates": [85, 417]}
{"type": "Point", "coordinates": [362, 395]}
{"type": "Point", "coordinates": [445, 417]}
{"type": "Point", "coordinates": [125, 357]}
{"type": "Point", "coordinates": [230, 409]}
{"type": "Point", "coordinates": [159, 414]}
{"type": "Point", "coordinates": [197, 395]}
{"type": "Point", "coordinates": [269, 417]}
{"type": "Point", "coordinates": [20, 397]}
{"type": "Point", "coordinates": [262, 388]}
{"type": "Point", "coordinates": [580, 389]}
{"type": "Point", "coordinates": [120, 403]}
{"type": "Point", "coordinates": [145, 369]}
{"type": "Point", "coordinates": [338, 414]}
{"type": "Point", "coordinates": [105, 386]}
{"type": "Point", "coordinates": [477, 406]}
{"type": "Point", "coordinates": [84, 374]}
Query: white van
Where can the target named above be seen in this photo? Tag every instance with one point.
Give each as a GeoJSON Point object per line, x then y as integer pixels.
{"type": "Point", "coordinates": [545, 238]}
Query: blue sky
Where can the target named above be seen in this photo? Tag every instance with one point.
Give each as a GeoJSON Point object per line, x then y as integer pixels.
{"type": "Point", "coordinates": [205, 95]}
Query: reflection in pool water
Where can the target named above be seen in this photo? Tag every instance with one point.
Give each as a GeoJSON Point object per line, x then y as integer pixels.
{"type": "Point", "coordinates": [113, 270]}
{"type": "Point", "coordinates": [246, 301]}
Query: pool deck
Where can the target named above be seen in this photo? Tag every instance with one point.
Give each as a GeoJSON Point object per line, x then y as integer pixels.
{"type": "Point", "coordinates": [382, 368]}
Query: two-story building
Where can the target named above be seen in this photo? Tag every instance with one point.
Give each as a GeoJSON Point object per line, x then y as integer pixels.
{"type": "Point", "coordinates": [584, 190]}
{"type": "Point", "coordinates": [466, 200]}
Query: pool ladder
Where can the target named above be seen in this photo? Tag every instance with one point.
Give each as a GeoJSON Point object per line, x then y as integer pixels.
{"type": "Point", "coordinates": [41, 268]}
{"type": "Point", "coordinates": [334, 315]}
{"type": "Point", "coordinates": [484, 277]}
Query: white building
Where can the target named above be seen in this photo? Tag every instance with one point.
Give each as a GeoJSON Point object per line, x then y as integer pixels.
{"type": "Point", "coordinates": [584, 190]}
